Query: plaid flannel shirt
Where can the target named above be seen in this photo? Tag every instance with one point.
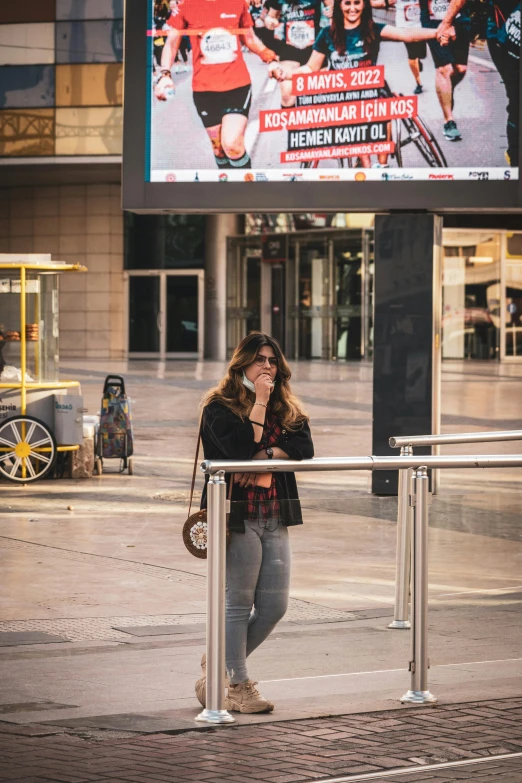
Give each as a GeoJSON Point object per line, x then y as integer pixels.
{"type": "Point", "coordinates": [261, 502]}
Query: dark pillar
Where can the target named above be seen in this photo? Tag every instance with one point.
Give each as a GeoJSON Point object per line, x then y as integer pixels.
{"type": "Point", "coordinates": [406, 361]}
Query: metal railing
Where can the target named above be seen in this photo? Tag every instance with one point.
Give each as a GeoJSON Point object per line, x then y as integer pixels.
{"type": "Point", "coordinates": [404, 510]}
{"type": "Point", "coordinates": [419, 497]}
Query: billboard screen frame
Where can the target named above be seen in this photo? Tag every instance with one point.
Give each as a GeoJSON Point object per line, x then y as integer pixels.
{"type": "Point", "coordinates": [138, 195]}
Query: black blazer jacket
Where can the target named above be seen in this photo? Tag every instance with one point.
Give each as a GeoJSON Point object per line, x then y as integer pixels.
{"type": "Point", "coordinates": [225, 435]}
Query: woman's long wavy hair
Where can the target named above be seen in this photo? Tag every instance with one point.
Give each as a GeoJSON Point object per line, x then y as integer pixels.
{"type": "Point", "coordinates": [232, 392]}
{"type": "Point", "coordinates": [367, 30]}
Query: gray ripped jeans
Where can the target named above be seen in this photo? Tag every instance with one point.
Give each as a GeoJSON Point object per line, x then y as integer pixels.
{"type": "Point", "coordinates": [258, 584]}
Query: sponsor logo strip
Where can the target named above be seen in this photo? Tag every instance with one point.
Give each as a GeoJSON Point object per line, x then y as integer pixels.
{"type": "Point", "coordinates": [294, 157]}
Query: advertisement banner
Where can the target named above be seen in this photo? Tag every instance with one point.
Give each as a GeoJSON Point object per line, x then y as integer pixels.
{"type": "Point", "coordinates": [353, 90]}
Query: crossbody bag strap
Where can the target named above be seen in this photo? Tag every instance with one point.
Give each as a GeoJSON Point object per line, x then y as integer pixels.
{"type": "Point", "coordinates": [194, 471]}
{"type": "Point", "coordinates": [193, 483]}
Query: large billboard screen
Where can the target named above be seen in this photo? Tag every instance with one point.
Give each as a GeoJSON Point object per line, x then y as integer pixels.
{"type": "Point", "coordinates": [256, 92]}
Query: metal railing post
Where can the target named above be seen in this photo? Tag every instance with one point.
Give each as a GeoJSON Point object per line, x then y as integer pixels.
{"type": "Point", "coordinates": [215, 711]}
{"type": "Point", "coordinates": [403, 564]}
{"type": "Point", "coordinates": [420, 663]}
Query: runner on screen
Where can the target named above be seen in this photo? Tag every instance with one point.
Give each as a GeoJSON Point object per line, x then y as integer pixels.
{"type": "Point", "coordinates": [296, 25]}
{"type": "Point", "coordinates": [451, 59]}
{"type": "Point", "coordinates": [258, 12]}
{"type": "Point", "coordinates": [407, 14]}
{"type": "Point", "coordinates": [221, 83]}
{"type": "Point", "coordinates": [352, 41]}
{"type": "Point", "coordinates": [503, 39]}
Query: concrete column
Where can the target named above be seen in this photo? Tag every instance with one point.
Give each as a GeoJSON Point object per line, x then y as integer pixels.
{"type": "Point", "coordinates": [218, 228]}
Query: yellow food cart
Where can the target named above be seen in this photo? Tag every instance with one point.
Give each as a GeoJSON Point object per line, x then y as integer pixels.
{"type": "Point", "coordinates": [34, 403]}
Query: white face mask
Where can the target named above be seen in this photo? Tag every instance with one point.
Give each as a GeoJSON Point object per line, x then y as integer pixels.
{"type": "Point", "coordinates": [248, 383]}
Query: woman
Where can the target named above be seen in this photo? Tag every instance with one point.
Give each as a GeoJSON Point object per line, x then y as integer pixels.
{"type": "Point", "coordinates": [161, 14]}
{"type": "Point", "coordinates": [258, 12]}
{"type": "Point", "coordinates": [253, 414]}
{"type": "Point", "coordinates": [296, 25]}
{"type": "Point", "coordinates": [221, 81]}
{"type": "Point", "coordinates": [352, 41]}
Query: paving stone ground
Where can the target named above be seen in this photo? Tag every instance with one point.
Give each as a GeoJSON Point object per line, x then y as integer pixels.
{"type": "Point", "coordinates": [286, 752]}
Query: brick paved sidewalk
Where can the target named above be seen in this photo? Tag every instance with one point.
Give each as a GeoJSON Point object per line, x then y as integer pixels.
{"type": "Point", "coordinates": [286, 752]}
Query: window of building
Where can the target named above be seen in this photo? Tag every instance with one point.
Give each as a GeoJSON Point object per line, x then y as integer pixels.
{"type": "Point", "coordinates": [26, 86]}
{"type": "Point", "coordinates": [89, 85]}
{"type": "Point", "coordinates": [164, 241]}
{"type": "Point", "coordinates": [89, 131]}
{"type": "Point", "coordinates": [33, 10]}
{"type": "Point", "coordinates": [89, 42]}
{"type": "Point", "coordinates": [27, 132]}
{"type": "Point", "coordinates": [89, 9]}
{"type": "Point", "coordinates": [27, 44]}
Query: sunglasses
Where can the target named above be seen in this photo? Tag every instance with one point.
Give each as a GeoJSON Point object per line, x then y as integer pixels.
{"type": "Point", "coordinates": [260, 360]}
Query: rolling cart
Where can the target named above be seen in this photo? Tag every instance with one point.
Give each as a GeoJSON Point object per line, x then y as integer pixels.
{"type": "Point", "coordinates": [114, 439]}
{"type": "Point", "coordinates": [40, 416]}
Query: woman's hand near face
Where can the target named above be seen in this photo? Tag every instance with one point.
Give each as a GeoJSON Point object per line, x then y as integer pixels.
{"type": "Point", "coordinates": [264, 387]}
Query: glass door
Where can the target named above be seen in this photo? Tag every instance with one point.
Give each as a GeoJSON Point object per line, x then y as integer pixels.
{"type": "Point", "coordinates": [278, 302]}
{"type": "Point", "coordinates": [183, 330]}
{"type": "Point", "coordinates": [165, 314]}
{"type": "Point", "coordinates": [244, 286]}
{"type": "Point", "coordinates": [348, 322]}
{"type": "Point", "coordinates": [144, 315]}
{"type": "Point", "coordinates": [312, 289]}
{"type": "Point", "coordinates": [512, 298]}
{"type": "Point", "coordinates": [471, 318]}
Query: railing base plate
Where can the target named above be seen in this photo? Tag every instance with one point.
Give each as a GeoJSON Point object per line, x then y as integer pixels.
{"type": "Point", "coordinates": [419, 697]}
{"type": "Point", "coordinates": [215, 716]}
{"type": "Point", "coordinates": [400, 624]}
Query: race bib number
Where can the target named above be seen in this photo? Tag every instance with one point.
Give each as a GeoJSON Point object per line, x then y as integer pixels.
{"type": "Point", "coordinates": [407, 14]}
{"type": "Point", "coordinates": [218, 46]}
{"type": "Point", "coordinates": [438, 9]}
{"type": "Point", "coordinates": [300, 34]}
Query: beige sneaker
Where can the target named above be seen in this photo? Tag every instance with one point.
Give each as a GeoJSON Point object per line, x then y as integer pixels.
{"type": "Point", "coordinates": [201, 684]}
{"type": "Point", "coordinates": [244, 697]}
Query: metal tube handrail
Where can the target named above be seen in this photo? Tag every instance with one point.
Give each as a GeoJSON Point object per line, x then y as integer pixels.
{"type": "Point", "coordinates": [215, 711]}
{"type": "Point", "coordinates": [420, 663]}
{"type": "Point", "coordinates": [403, 558]}
{"type": "Point", "coordinates": [362, 463]}
{"type": "Point", "coordinates": [462, 437]}
{"type": "Point", "coordinates": [406, 443]}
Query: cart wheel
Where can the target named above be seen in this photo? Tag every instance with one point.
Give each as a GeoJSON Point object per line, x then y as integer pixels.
{"type": "Point", "coordinates": [98, 467]}
{"type": "Point", "coordinates": [130, 466]}
{"type": "Point", "coordinates": [27, 449]}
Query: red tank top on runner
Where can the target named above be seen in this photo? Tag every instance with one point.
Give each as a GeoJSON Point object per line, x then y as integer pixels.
{"type": "Point", "coordinates": [217, 58]}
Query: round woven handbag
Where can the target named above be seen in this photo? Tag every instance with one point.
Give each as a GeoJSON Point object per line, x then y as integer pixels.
{"type": "Point", "coordinates": [195, 534]}
{"type": "Point", "coordinates": [195, 527]}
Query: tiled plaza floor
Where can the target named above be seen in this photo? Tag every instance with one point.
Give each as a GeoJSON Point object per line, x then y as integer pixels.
{"type": "Point", "coordinates": [287, 752]}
